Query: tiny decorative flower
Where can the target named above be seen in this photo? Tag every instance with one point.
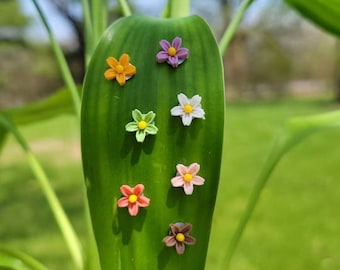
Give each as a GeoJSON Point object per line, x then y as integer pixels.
{"type": "Point", "coordinates": [187, 177]}
{"type": "Point", "coordinates": [172, 53]}
{"type": "Point", "coordinates": [120, 70]}
{"type": "Point", "coordinates": [133, 198]}
{"type": "Point", "coordinates": [188, 108]}
{"type": "Point", "coordinates": [143, 124]}
{"type": "Point", "coordinates": [179, 236]}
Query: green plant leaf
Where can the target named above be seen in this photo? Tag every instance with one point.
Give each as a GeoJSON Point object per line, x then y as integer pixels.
{"type": "Point", "coordinates": [112, 156]}
{"type": "Point", "coordinates": [11, 259]}
{"type": "Point", "coordinates": [325, 13]}
{"type": "Point", "coordinates": [57, 104]}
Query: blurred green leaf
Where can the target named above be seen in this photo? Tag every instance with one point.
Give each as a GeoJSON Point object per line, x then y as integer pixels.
{"type": "Point", "coordinates": [57, 104]}
{"type": "Point", "coordinates": [112, 157]}
{"type": "Point", "coordinates": [15, 260]}
{"type": "Point", "coordinates": [325, 13]}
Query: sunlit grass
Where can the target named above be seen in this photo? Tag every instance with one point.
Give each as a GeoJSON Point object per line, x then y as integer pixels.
{"type": "Point", "coordinates": [295, 226]}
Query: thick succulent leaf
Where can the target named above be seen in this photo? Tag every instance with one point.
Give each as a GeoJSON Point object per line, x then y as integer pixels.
{"type": "Point", "coordinates": [112, 157]}
{"type": "Point", "coordinates": [325, 13]}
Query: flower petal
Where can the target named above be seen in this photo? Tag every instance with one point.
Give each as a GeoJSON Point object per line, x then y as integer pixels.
{"type": "Point", "coordinates": [180, 247]}
{"type": "Point", "coordinates": [177, 181]}
{"type": "Point", "coordinates": [162, 57]}
{"type": "Point", "coordinates": [112, 62]}
{"type": "Point", "coordinates": [151, 129]}
{"type": "Point", "coordinates": [185, 228]}
{"type": "Point", "coordinates": [188, 188]}
{"type": "Point", "coordinates": [143, 201]}
{"type": "Point", "coordinates": [183, 99]}
{"type": "Point", "coordinates": [133, 209]}
{"type": "Point", "coordinates": [123, 202]}
{"type": "Point", "coordinates": [124, 59]}
{"type": "Point", "coordinates": [137, 115]}
{"type": "Point", "coordinates": [197, 180]}
{"type": "Point", "coordinates": [176, 111]}
{"type": "Point", "coordinates": [126, 190]}
{"type": "Point", "coordinates": [176, 43]}
{"type": "Point", "coordinates": [169, 240]}
{"type": "Point", "coordinates": [149, 117]}
{"type": "Point", "coordinates": [195, 101]}
{"type": "Point", "coordinates": [186, 119]}
{"type": "Point", "coordinates": [174, 229]}
{"type": "Point", "coordinates": [131, 127]}
{"type": "Point", "coordinates": [110, 74]}
{"type": "Point", "coordinates": [193, 168]}
{"type": "Point", "coordinates": [189, 240]}
{"type": "Point", "coordinates": [198, 113]}
{"type": "Point", "coordinates": [181, 169]}
{"type": "Point", "coordinates": [138, 189]}
{"type": "Point", "coordinates": [173, 61]}
{"type": "Point", "coordinates": [130, 70]}
{"type": "Point", "coordinates": [182, 53]}
{"type": "Point", "coordinates": [165, 45]}
{"type": "Point", "coordinates": [140, 135]}
{"type": "Point", "coordinates": [121, 79]}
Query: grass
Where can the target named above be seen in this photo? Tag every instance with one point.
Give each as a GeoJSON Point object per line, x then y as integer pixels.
{"type": "Point", "coordinates": [296, 224]}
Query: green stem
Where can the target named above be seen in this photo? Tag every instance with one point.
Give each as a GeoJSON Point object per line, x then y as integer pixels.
{"type": "Point", "coordinates": [230, 31]}
{"type": "Point", "coordinates": [99, 18]}
{"type": "Point", "coordinates": [125, 8]}
{"type": "Point", "coordinates": [65, 71]}
{"type": "Point", "coordinates": [64, 224]}
{"type": "Point", "coordinates": [166, 10]}
{"type": "Point", "coordinates": [279, 149]}
{"type": "Point", "coordinates": [88, 31]}
{"type": "Point", "coordinates": [179, 8]}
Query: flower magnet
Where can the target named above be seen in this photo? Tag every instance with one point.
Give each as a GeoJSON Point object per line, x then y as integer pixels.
{"type": "Point", "coordinates": [188, 108]}
{"type": "Point", "coordinates": [143, 125]}
{"type": "Point", "coordinates": [133, 198]}
{"type": "Point", "coordinates": [179, 236]}
{"type": "Point", "coordinates": [172, 53]}
{"type": "Point", "coordinates": [187, 177]}
{"type": "Point", "coordinates": [120, 70]}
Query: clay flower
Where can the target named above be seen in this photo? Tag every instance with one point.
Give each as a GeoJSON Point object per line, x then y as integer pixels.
{"type": "Point", "coordinates": [120, 70]}
{"type": "Point", "coordinates": [187, 177]}
{"type": "Point", "coordinates": [133, 198]}
{"type": "Point", "coordinates": [188, 108]}
{"type": "Point", "coordinates": [143, 124]}
{"type": "Point", "coordinates": [179, 236]}
{"type": "Point", "coordinates": [172, 53]}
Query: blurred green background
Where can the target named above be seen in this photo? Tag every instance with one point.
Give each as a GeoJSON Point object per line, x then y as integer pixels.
{"type": "Point", "coordinates": [278, 66]}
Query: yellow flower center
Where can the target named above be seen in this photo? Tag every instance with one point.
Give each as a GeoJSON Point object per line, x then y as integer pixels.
{"type": "Point", "coordinates": [133, 198]}
{"type": "Point", "coordinates": [187, 177]}
{"type": "Point", "coordinates": [188, 108]}
{"type": "Point", "coordinates": [180, 237]}
{"type": "Point", "coordinates": [142, 124]}
{"type": "Point", "coordinates": [172, 51]}
{"type": "Point", "coordinates": [119, 68]}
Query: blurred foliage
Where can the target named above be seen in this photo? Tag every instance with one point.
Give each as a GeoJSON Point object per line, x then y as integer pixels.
{"type": "Point", "coordinates": [279, 53]}
{"type": "Point", "coordinates": [325, 14]}
{"type": "Point", "coordinates": [27, 74]}
{"type": "Point", "coordinates": [11, 15]}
